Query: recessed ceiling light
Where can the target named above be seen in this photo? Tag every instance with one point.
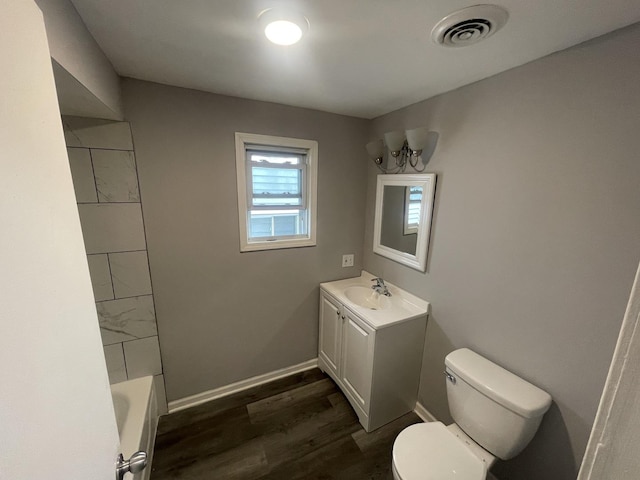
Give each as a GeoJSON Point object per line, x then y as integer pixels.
{"type": "Point", "coordinates": [283, 32]}
{"type": "Point", "coordinates": [282, 27]}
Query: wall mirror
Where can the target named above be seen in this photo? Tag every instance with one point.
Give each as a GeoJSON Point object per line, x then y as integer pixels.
{"type": "Point", "coordinates": [404, 204]}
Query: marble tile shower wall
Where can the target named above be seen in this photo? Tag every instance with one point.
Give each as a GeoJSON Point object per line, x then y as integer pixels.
{"type": "Point", "coordinates": [105, 178]}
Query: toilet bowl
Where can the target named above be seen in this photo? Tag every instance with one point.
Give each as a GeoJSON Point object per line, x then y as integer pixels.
{"type": "Point", "coordinates": [496, 415]}
{"type": "Point", "coordinates": [431, 451]}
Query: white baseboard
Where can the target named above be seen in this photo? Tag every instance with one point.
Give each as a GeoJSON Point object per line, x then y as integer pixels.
{"type": "Point", "coordinates": [423, 413]}
{"type": "Point", "coordinates": [220, 392]}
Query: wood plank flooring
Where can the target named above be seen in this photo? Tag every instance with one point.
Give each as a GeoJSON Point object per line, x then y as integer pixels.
{"type": "Point", "coordinates": [298, 427]}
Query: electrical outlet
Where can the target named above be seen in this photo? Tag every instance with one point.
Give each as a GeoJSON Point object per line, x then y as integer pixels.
{"type": "Point", "coordinates": [347, 260]}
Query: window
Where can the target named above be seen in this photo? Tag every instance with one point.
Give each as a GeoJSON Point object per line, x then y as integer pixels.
{"type": "Point", "coordinates": [276, 191]}
{"type": "Point", "coordinates": [413, 200]}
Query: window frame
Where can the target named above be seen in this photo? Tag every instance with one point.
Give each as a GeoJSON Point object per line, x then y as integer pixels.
{"type": "Point", "coordinates": [252, 141]}
{"type": "Point", "coordinates": [410, 228]}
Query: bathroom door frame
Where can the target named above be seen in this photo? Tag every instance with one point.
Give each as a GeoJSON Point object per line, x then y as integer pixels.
{"type": "Point", "coordinates": [56, 413]}
{"type": "Point", "coordinates": [615, 436]}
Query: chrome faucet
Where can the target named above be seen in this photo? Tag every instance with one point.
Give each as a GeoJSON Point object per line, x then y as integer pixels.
{"type": "Point", "coordinates": [380, 287]}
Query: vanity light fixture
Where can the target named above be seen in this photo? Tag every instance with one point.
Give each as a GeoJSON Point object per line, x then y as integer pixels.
{"type": "Point", "coordinates": [405, 147]}
{"type": "Point", "coordinates": [283, 27]}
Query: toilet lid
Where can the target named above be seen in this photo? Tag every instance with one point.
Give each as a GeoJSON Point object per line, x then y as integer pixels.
{"type": "Point", "coordinates": [428, 451]}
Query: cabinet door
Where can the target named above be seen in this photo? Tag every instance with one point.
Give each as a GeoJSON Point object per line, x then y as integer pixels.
{"type": "Point", "coordinates": [329, 348]}
{"type": "Point", "coordinates": [357, 367]}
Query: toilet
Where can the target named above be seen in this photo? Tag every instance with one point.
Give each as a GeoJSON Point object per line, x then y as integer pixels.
{"type": "Point", "coordinates": [496, 414]}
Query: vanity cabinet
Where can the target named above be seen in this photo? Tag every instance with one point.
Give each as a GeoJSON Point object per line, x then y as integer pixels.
{"type": "Point", "coordinates": [376, 366]}
{"type": "Point", "coordinates": [330, 336]}
{"type": "Point", "coordinates": [357, 365]}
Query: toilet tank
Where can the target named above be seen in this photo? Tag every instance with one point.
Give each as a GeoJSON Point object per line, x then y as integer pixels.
{"type": "Point", "coordinates": [496, 408]}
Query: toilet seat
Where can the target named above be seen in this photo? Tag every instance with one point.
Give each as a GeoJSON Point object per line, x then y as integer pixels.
{"type": "Point", "coordinates": [429, 451]}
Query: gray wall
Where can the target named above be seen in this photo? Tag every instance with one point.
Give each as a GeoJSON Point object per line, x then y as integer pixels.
{"type": "Point", "coordinates": [536, 232]}
{"type": "Point", "coordinates": [224, 316]}
{"type": "Point", "coordinates": [86, 82]}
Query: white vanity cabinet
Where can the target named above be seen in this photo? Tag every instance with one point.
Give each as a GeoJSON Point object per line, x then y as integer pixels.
{"type": "Point", "coordinates": [358, 339]}
{"type": "Point", "coordinates": [375, 361]}
{"type": "Point", "coordinates": [346, 349]}
{"type": "Point", "coordinates": [330, 336]}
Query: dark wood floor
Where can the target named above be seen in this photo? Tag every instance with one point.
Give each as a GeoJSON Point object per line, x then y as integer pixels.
{"type": "Point", "coordinates": [299, 427]}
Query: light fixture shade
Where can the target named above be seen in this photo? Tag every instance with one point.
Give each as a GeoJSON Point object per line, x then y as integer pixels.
{"type": "Point", "coordinates": [417, 138]}
{"type": "Point", "coordinates": [375, 149]}
{"type": "Point", "coordinates": [394, 140]}
{"type": "Point", "coordinates": [283, 27]}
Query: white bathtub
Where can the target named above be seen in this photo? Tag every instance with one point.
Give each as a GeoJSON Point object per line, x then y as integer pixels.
{"type": "Point", "coordinates": [136, 410]}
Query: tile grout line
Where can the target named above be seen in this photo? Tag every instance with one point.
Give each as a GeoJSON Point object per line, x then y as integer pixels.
{"type": "Point", "coordinates": [119, 251]}
{"type": "Point", "coordinates": [113, 287]}
{"type": "Point", "coordinates": [126, 298]}
{"type": "Point", "coordinates": [132, 340]}
{"type": "Point", "coordinates": [95, 180]}
{"type": "Point", "coordinates": [124, 360]}
{"type": "Point", "coordinates": [100, 148]}
{"type": "Point", "coordinates": [107, 203]}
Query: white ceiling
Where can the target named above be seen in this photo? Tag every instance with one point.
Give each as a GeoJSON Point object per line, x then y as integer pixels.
{"type": "Point", "coordinates": [360, 57]}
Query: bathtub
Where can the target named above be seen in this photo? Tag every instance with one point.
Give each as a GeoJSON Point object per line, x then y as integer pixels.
{"type": "Point", "coordinates": [136, 407]}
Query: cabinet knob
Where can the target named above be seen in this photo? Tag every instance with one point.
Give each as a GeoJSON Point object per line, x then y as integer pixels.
{"type": "Point", "coordinates": [343, 317]}
{"type": "Point", "coordinates": [338, 313]}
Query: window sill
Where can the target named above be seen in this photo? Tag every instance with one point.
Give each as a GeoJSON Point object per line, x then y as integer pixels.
{"type": "Point", "coordinates": [277, 244]}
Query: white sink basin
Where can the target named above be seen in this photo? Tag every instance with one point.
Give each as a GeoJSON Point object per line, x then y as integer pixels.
{"type": "Point", "coordinates": [377, 310]}
{"type": "Point", "coordinates": [367, 298]}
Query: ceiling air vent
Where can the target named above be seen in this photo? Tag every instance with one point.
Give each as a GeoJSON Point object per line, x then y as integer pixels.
{"type": "Point", "coordinates": [469, 25]}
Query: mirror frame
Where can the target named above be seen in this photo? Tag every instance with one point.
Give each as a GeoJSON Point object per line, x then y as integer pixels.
{"type": "Point", "coordinates": [428, 182]}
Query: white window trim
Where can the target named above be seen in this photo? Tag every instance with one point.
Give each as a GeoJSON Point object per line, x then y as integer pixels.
{"type": "Point", "coordinates": [251, 139]}
{"type": "Point", "coordinates": [409, 228]}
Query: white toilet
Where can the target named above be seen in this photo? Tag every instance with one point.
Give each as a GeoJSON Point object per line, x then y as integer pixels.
{"type": "Point", "coordinates": [496, 414]}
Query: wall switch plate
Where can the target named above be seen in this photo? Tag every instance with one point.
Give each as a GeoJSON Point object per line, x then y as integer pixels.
{"type": "Point", "coordinates": [347, 260]}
